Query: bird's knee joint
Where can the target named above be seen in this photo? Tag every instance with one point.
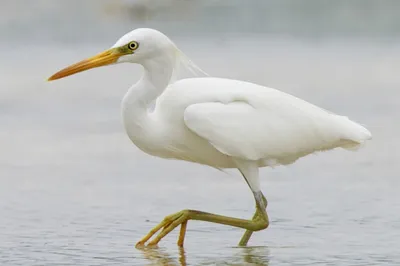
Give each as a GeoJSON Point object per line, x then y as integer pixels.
{"type": "Point", "coordinates": [186, 212]}
{"type": "Point", "coordinates": [264, 225]}
{"type": "Point", "coordinates": [261, 225]}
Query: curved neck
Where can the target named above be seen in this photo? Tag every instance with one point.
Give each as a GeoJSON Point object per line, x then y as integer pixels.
{"type": "Point", "coordinates": [140, 97]}
{"type": "Point", "coordinates": [156, 77]}
{"type": "Point", "coordinates": [158, 73]}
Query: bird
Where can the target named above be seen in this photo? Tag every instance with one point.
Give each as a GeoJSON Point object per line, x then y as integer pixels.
{"type": "Point", "coordinates": [217, 122]}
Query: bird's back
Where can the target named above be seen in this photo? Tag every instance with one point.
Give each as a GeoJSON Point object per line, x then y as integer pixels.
{"type": "Point", "coordinates": [254, 122]}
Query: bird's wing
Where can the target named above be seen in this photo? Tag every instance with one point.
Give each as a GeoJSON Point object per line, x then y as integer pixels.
{"type": "Point", "coordinates": [279, 129]}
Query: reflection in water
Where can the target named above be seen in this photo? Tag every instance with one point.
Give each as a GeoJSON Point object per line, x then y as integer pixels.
{"type": "Point", "coordinates": [158, 256]}
{"type": "Point", "coordinates": [63, 145]}
{"type": "Point", "coordinates": [244, 256]}
{"type": "Point", "coordinates": [255, 255]}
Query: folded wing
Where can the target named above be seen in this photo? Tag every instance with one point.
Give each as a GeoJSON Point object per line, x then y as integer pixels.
{"type": "Point", "coordinates": [277, 128]}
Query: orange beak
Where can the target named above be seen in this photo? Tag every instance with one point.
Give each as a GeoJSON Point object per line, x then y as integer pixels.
{"type": "Point", "coordinates": [105, 58]}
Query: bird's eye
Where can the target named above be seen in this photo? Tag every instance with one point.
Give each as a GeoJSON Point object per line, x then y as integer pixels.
{"type": "Point", "coordinates": [133, 45]}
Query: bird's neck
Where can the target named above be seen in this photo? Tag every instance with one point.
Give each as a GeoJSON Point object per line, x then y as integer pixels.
{"type": "Point", "coordinates": [139, 100]}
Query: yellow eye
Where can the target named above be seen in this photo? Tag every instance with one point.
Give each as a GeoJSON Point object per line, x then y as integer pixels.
{"type": "Point", "coordinates": [133, 45]}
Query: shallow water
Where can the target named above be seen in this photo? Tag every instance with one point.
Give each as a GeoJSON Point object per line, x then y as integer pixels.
{"type": "Point", "coordinates": [75, 191]}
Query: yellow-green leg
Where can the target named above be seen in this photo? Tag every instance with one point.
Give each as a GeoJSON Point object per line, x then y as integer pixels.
{"type": "Point", "coordinates": [170, 222]}
{"type": "Point", "coordinates": [249, 170]}
{"type": "Point", "coordinates": [246, 236]}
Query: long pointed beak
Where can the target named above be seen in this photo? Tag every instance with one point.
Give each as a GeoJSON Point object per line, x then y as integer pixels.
{"type": "Point", "coordinates": [104, 58]}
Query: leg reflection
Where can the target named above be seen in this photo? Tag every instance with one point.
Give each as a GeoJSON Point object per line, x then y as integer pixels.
{"type": "Point", "coordinates": [160, 257]}
{"type": "Point", "coordinates": [237, 256]}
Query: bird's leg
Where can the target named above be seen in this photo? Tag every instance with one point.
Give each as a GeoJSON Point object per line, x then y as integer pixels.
{"type": "Point", "coordinates": [180, 218]}
{"type": "Point", "coordinates": [249, 170]}
{"type": "Point", "coordinates": [246, 236]}
{"type": "Point", "coordinates": [182, 234]}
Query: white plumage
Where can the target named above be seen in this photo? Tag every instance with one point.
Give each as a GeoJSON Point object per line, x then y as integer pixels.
{"type": "Point", "coordinates": [218, 122]}
{"type": "Point", "coordinates": [211, 120]}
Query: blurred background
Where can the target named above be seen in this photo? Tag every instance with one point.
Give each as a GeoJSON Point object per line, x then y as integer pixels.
{"type": "Point", "coordinates": [75, 191]}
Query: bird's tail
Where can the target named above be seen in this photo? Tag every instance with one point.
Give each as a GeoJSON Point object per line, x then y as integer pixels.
{"type": "Point", "coordinates": [354, 134]}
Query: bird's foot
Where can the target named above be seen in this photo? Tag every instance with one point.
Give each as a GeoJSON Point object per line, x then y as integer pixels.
{"type": "Point", "coordinates": [168, 224]}
{"type": "Point", "coordinates": [259, 222]}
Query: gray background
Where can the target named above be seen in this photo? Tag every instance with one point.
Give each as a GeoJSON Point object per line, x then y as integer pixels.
{"type": "Point", "coordinates": [75, 191]}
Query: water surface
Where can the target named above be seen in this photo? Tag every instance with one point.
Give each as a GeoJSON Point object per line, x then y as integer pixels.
{"type": "Point", "coordinates": [75, 191]}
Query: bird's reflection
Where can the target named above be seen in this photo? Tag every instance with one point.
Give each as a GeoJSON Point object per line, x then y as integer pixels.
{"type": "Point", "coordinates": [241, 256]}
{"type": "Point", "coordinates": [158, 256]}
{"type": "Point", "coordinates": [255, 255]}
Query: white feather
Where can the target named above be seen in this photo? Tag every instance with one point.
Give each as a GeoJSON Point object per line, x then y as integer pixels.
{"type": "Point", "coordinates": [222, 123]}
{"type": "Point", "coordinates": [252, 122]}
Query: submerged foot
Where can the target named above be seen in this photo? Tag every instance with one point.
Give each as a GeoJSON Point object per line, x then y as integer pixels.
{"type": "Point", "coordinates": [168, 224]}
{"type": "Point", "coordinates": [259, 222]}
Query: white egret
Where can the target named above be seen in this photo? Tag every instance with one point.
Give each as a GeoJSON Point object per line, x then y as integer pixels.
{"type": "Point", "coordinates": [222, 123]}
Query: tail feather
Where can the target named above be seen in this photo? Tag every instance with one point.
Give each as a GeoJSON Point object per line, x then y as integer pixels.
{"type": "Point", "coordinates": [354, 134]}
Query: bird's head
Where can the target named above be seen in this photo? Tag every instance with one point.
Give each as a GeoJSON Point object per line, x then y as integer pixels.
{"type": "Point", "coordinates": [137, 46]}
